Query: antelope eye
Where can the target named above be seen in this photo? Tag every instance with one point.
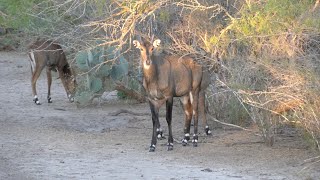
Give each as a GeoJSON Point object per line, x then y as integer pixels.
{"type": "Point", "coordinates": [152, 49]}
{"type": "Point", "coordinates": [141, 49]}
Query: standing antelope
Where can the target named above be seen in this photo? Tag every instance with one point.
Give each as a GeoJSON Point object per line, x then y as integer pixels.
{"type": "Point", "coordinates": [50, 55]}
{"type": "Point", "coordinates": [167, 76]}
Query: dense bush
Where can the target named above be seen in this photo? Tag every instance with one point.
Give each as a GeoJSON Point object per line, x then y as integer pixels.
{"type": "Point", "coordinates": [268, 50]}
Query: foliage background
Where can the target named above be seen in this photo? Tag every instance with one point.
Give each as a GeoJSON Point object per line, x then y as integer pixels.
{"type": "Point", "coordinates": [263, 54]}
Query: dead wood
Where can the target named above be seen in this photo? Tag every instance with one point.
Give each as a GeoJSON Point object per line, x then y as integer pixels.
{"type": "Point", "coordinates": [131, 93]}
{"type": "Point", "coordinates": [120, 111]}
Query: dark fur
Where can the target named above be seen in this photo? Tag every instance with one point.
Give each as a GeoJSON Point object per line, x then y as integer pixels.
{"type": "Point", "coordinates": [172, 76]}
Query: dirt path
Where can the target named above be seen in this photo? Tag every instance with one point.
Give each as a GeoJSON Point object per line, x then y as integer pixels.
{"type": "Point", "coordinates": [61, 141]}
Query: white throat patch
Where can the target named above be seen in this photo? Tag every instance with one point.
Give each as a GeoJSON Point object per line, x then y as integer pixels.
{"type": "Point", "coordinates": [146, 66]}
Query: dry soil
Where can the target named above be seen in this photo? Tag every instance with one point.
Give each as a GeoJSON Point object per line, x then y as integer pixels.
{"type": "Point", "coordinates": [63, 141]}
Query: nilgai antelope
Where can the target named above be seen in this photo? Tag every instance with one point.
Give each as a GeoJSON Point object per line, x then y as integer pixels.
{"type": "Point", "coordinates": [167, 76]}
{"type": "Point", "coordinates": [50, 55]}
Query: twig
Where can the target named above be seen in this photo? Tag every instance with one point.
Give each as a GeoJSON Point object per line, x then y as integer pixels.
{"type": "Point", "coordinates": [60, 109]}
{"type": "Point", "coordinates": [232, 125]}
{"type": "Point", "coordinates": [130, 92]}
{"type": "Point", "coordinates": [120, 111]}
{"type": "Point", "coordinates": [313, 161]}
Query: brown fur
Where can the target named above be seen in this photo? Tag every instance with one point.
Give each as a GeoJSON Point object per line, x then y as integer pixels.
{"type": "Point", "coordinates": [50, 55]}
{"type": "Point", "coordinates": [167, 76]}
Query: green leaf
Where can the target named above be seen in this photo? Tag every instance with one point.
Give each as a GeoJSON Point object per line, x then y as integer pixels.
{"type": "Point", "coordinates": [103, 71]}
{"type": "Point", "coordinates": [95, 84]}
{"type": "Point", "coordinates": [83, 97]}
{"type": "Point", "coordinates": [81, 60]}
{"type": "Point", "coordinates": [120, 70]}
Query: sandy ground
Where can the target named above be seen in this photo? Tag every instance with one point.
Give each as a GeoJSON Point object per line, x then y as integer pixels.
{"type": "Point", "coordinates": [61, 141]}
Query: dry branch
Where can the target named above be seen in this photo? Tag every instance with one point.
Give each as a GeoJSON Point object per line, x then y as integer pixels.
{"type": "Point", "coordinates": [130, 93]}
{"type": "Point", "coordinates": [232, 125]}
{"type": "Point", "coordinates": [120, 111]}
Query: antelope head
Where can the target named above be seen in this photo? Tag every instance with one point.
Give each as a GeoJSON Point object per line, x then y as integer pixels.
{"type": "Point", "coordinates": [146, 51]}
{"type": "Point", "coordinates": [70, 79]}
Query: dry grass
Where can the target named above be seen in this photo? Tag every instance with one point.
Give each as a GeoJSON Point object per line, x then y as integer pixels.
{"type": "Point", "coordinates": [264, 56]}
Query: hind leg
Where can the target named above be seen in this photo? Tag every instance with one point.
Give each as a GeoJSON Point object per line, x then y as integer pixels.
{"type": "Point", "coordinates": [203, 113]}
{"type": "Point", "coordinates": [49, 78]}
{"type": "Point", "coordinates": [187, 106]}
{"type": "Point", "coordinates": [35, 77]}
{"type": "Point", "coordinates": [195, 103]}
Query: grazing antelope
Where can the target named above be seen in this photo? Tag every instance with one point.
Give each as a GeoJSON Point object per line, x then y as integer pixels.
{"type": "Point", "coordinates": [50, 55]}
{"type": "Point", "coordinates": [167, 76]}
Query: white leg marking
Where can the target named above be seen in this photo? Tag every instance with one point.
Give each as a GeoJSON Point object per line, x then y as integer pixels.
{"type": "Point", "coordinates": [49, 99]}
{"type": "Point", "coordinates": [35, 98]}
{"type": "Point", "coordinates": [32, 61]}
{"type": "Point", "coordinates": [159, 131]}
{"type": "Point", "coordinates": [194, 140]}
{"type": "Point", "coordinates": [187, 135]}
{"type": "Point", "coordinates": [185, 100]}
{"type": "Point", "coordinates": [191, 97]}
{"type": "Point", "coordinates": [209, 131]}
{"type": "Point", "coordinates": [154, 93]}
{"type": "Point", "coordinates": [187, 113]}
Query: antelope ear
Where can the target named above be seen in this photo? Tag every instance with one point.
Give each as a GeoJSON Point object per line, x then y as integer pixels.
{"type": "Point", "coordinates": [156, 43]}
{"type": "Point", "coordinates": [136, 43]}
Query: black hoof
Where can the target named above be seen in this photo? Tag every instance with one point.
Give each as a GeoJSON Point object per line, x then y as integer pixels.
{"type": "Point", "coordinates": [152, 148]}
{"type": "Point", "coordinates": [160, 136]}
{"type": "Point", "coordinates": [184, 142]}
{"type": "Point", "coordinates": [170, 147]}
{"type": "Point", "coordinates": [195, 141]}
{"type": "Point", "coordinates": [49, 100]}
{"type": "Point", "coordinates": [208, 131]}
{"type": "Point", "coordinates": [36, 101]}
{"type": "Point", "coordinates": [195, 144]}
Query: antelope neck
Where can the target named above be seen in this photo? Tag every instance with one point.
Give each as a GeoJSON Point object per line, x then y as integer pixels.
{"type": "Point", "coordinates": [150, 73]}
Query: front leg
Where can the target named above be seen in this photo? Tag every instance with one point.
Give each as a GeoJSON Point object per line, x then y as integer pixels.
{"type": "Point", "coordinates": [202, 108]}
{"type": "Point", "coordinates": [155, 122]}
{"type": "Point", "coordinates": [160, 132]}
{"type": "Point", "coordinates": [187, 106]}
{"type": "Point", "coordinates": [169, 105]}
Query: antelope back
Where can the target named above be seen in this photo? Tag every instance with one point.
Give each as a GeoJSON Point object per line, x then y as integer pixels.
{"type": "Point", "coordinates": [50, 54]}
